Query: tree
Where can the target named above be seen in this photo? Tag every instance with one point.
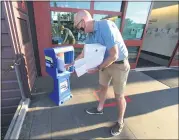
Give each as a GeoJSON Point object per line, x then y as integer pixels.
{"type": "Point", "coordinates": [129, 22]}
{"type": "Point", "coordinates": [55, 4]}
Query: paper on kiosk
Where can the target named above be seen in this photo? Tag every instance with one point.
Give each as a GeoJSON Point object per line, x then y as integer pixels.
{"type": "Point", "coordinates": [93, 57]}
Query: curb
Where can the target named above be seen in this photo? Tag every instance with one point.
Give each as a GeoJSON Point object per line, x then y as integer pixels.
{"type": "Point", "coordinates": [14, 129]}
{"type": "Point", "coordinates": [154, 68]}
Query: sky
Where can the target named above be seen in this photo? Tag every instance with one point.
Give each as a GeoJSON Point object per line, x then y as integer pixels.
{"type": "Point", "coordinates": [137, 11]}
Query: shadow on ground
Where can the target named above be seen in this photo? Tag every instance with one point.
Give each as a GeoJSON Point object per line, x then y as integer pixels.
{"type": "Point", "coordinates": [48, 121]}
{"type": "Point", "coordinates": [168, 77]}
{"type": "Point", "coordinates": [146, 63]}
{"type": "Point", "coordinates": [90, 81]}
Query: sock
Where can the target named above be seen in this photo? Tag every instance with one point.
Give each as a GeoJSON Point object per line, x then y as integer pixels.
{"type": "Point", "coordinates": [120, 122]}
{"type": "Point", "coordinates": [99, 108]}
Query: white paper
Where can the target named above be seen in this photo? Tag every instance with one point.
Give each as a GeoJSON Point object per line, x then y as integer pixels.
{"type": "Point", "coordinates": [81, 70]}
{"type": "Point", "coordinates": [79, 63]}
{"type": "Point", "coordinates": [80, 67]}
{"type": "Point", "coordinates": [93, 57]}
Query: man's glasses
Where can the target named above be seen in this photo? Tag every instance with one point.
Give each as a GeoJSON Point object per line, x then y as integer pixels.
{"type": "Point", "coordinates": [78, 24]}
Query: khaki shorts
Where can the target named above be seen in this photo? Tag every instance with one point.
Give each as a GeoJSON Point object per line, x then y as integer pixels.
{"type": "Point", "coordinates": [118, 73]}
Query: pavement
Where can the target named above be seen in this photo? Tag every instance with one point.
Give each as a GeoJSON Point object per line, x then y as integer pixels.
{"type": "Point", "coordinates": [152, 110]}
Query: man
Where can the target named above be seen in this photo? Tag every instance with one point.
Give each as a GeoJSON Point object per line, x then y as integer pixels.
{"type": "Point", "coordinates": [67, 35]}
{"type": "Point", "coordinates": [115, 66]}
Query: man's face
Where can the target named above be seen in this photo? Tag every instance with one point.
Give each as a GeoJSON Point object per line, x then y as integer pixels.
{"type": "Point", "coordinates": [80, 26]}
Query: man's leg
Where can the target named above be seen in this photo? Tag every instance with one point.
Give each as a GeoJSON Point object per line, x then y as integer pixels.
{"type": "Point", "coordinates": [104, 80]}
{"type": "Point", "coordinates": [102, 97]}
{"type": "Point", "coordinates": [121, 106]}
{"type": "Point", "coordinates": [119, 78]}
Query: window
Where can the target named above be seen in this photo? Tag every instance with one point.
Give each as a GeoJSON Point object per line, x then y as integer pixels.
{"type": "Point", "coordinates": [136, 18]}
{"type": "Point", "coordinates": [133, 52]}
{"type": "Point", "coordinates": [63, 31]}
{"type": "Point", "coordinates": [24, 31]}
{"type": "Point", "coordinates": [108, 6]}
{"type": "Point", "coordinates": [72, 4]}
{"type": "Point", "coordinates": [115, 19]}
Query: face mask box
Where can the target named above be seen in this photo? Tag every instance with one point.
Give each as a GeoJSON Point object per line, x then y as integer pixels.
{"type": "Point", "coordinates": [93, 57]}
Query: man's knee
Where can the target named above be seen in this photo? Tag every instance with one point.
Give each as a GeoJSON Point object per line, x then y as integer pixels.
{"type": "Point", "coordinates": [119, 97]}
{"type": "Point", "coordinates": [103, 88]}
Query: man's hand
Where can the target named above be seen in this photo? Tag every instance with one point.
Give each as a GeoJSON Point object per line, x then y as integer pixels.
{"type": "Point", "coordinates": [67, 66]}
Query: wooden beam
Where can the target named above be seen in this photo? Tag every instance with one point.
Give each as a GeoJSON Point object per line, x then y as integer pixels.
{"type": "Point", "coordinates": [124, 10]}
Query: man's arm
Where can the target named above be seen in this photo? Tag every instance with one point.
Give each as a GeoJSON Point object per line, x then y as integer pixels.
{"type": "Point", "coordinates": [113, 56]}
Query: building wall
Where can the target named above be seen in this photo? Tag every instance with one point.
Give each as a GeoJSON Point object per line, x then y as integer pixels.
{"type": "Point", "coordinates": [43, 30]}
{"type": "Point", "coordinates": [10, 92]}
{"type": "Point", "coordinates": [34, 36]}
{"type": "Point", "coordinates": [162, 33]}
{"type": "Point", "coordinates": [161, 4]}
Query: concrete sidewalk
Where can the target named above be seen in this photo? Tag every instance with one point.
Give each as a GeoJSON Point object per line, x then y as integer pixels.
{"type": "Point", "coordinates": [152, 112]}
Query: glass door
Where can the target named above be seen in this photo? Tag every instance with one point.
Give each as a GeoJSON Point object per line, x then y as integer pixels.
{"type": "Point", "coordinates": [135, 21]}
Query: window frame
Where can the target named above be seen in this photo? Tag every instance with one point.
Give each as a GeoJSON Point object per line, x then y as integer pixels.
{"type": "Point", "coordinates": [91, 11]}
{"type": "Point", "coordinates": [122, 14]}
{"type": "Point", "coordinates": [173, 61]}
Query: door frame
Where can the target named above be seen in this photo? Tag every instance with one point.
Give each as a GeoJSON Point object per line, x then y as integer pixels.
{"type": "Point", "coordinates": [172, 61]}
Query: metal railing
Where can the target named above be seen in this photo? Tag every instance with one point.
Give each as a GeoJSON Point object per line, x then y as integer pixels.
{"type": "Point", "coordinates": [16, 65]}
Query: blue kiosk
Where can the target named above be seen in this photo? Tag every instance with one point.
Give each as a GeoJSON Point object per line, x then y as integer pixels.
{"type": "Point", "coordinates": [55, 60]}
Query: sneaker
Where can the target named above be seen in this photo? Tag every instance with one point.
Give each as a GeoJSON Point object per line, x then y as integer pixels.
{"type": "Point", "coordinates": [117, 129]}
{"type": "Point", "coordinates": [94, 110]}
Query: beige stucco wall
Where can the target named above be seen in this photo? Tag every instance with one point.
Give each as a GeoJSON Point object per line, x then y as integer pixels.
{"type": "Point", "coordinates": [162, 33]}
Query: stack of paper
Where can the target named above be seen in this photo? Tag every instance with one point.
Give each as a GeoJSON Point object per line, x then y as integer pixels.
{"type": "Point", "coordinates": [80, 67]}
{"type": "Point", "coordinates": [93, 57]}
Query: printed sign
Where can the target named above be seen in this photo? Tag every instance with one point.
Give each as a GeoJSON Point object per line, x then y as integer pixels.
{"type": "Point", "coordinates": [63, 86]}
{"type": "Point", "coordinates": [49, 61]}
